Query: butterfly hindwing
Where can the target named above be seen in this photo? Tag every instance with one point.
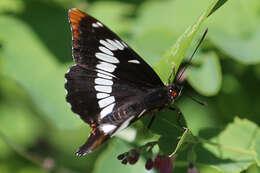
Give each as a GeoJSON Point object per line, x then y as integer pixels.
{"type": "Point", "coordinates": [81, 94]}
{"type": "Point", "coordinates": [90, 93]}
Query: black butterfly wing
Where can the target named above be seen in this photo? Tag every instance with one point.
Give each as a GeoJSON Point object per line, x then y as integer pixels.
{"type": "Point", "coordinates": [107, 77]}
{"type": "Point", "coordinates": [90, 95]}
{"type": "Point", "coordinates": [97, 47]}
{"type": "Point", "coordinates": [89, 92]}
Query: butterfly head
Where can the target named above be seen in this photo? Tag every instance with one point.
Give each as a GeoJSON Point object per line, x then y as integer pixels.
{"type": "Point", "coordinates": [175, 91]}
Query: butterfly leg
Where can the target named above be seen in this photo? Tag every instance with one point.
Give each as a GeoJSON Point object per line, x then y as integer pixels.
{"type": "Point", "coordinates": [179, 115]}
{"type": "Point", "coordinates": [171, 74]}
{"type": "Point", "coordinates": [153, 118]}
{"type": "Point", "coordinates": [151, 122]}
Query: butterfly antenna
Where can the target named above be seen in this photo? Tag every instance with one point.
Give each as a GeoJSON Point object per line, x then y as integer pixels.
{"type": "Point", "coordinates": [189, 61]}
{"type": "Point", "coordinates": [196, 100]}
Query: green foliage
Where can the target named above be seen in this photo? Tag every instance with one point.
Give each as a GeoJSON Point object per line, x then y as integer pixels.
{"type": "Point", "coordinates": [236, 154]}
{"type": "Point", "coordinates": [39, 133]}
{"type": "Point", "coordinates": [206, 78]}
{"type": "Point", "coordinates": [241, 36]}
{"type": "Point", "coordinates": [175, 55]}
{"type": "Point", "coordinates": [36, 71]}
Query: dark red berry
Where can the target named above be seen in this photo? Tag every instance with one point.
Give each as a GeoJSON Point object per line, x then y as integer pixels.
{"type": "Point", "coordinates": [157, 162]}
{"type": "Point", "coordinates": [149, 164]}
{"type": "Point", "coordinates": [163, 164]}
{"type": "Point", "coordinates": [132, 160]}
{"type": "Point", "coordinates": [124, 161]}
{"type": "Point", "coordinates": [166, 165]}
{"type": "Point", "coordinates": [134, 156]}
{"type": "Point", "coordinates": [134, 153]}
{"type": "Point", "coordinates": [121, 156]}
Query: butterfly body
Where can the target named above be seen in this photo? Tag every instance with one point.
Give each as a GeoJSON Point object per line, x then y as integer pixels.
{"type": "Point", "coordinates": [110, 87]}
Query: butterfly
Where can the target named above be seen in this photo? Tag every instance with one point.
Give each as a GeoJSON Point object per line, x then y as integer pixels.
{"type": "Point", "coordinates": [110, 86]}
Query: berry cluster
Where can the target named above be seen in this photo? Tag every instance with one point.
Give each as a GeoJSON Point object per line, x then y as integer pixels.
{"type": "Point", "coordinates": [133, 155]}
{"type": "Point", "coordinates": [130, 157]}
{"type": "Point", "coordinates": [161, 163]}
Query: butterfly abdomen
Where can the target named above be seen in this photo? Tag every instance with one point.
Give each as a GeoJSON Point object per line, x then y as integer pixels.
{"type": "Point", "coordinates": [123, 112]}
{"type": "Point", "coordinates": [116, 116]}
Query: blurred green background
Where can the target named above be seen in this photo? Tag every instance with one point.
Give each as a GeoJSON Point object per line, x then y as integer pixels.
{"type": "Point", "coordinates": [39, 133]}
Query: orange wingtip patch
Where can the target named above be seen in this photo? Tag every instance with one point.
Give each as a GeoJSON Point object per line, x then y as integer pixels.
{"type": "Point", "coordinates": [75, 16]}
{"type": "Point", "coordinates": [92, 125]}
{"type": "Point", "coordinates": [93, 131]}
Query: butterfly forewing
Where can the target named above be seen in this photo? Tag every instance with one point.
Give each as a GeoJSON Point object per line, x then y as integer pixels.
{"type": "Point", "coordinates": [97, 47]}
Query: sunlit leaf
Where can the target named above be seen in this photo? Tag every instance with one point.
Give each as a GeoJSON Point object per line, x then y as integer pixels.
{"type": "Point", "coordinates": [174, 15]}
{"type": "Point", "coordinates": [11, 6]}
{"type": "Point", "coordinates": [240, 38]}
{"type": "Point", "coordinates": [18, 126]}
{"type": "Point", "coordinates": [207, 168]}
{"type": "Point", "coordinates": [114, 15]}
{"type": "Point", "coordinates": [28, 62]}
{"type": "Point", "coordinates": [151, 44]}
{"type": "Point", "coordinates": [217, 6]}
{"type": "Point", "coordinates": [236, 146]}
{"type": "Point", "coordinates": [253, 169]}
{"type": "Point", "coordinates": [207, 77]}
{"type": "Point", "coordinates": [175, 54]}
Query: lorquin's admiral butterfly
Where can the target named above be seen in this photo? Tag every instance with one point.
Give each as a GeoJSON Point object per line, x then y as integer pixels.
{"type": "Point", "coordinates": [110, 87]}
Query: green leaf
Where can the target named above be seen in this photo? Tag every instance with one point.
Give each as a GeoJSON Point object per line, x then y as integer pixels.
{"type": "Point", "coordinates": [253, 169]}
{"type": "Point", "coordinates": [206, 78]}
{"type": "Point", "coordinates": [31, 170]}
{"type": "Point", "coordinates": [175, 54]}
{"type": "Point", "coordinates": [23, 130]}
{"type": "Point", "coordinates": [172, 136]}
{"type": "Point", "coordinates": [236, 146]}
{"type": "Point", "coordinates": [203, 168]}
{"type": "Point", "coordinates": [217, 6]}
{"type": "Point", "coordinates": [209, 159]}
{"type": "Point", "coordinates": [11, 5]}
{"type": "Point", "coordinates": [151, 44]}
{"type": "Point", "coordinates": [174, 15]}
{"type": "Point", "coordinates": [114, 15]}
{"type": "Point", "coordinates": [4, 168]}
{"type": "Point", "coordinates": [240, 38]}
{"type": "Point", "coordinates": [165, 125]}
{"type": "Point", "coordinates": [257, 147]}
{"type": "Point", "coordinates": [197, 116]}
{"type": "Point", "coordinates": [27, 61]}
{"type": "Point", "coordinates": [166, 147]}
{"type": "Point", "coordinates": [19, 125]}
{"type": "Point", "coordinates": [185, 139]}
